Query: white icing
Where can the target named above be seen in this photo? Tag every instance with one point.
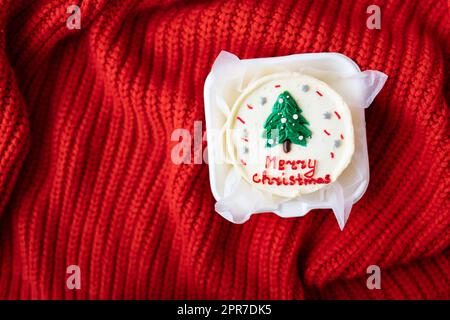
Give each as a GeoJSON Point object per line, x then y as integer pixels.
{"type": "Point", "coordinates": [322, 152]}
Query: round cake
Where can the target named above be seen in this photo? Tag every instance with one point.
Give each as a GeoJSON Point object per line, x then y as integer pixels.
{"type": "Point", "coordinates": [290, 134]}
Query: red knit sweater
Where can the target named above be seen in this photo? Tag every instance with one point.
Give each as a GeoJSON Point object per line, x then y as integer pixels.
{"type": "Point", "coordinates": [86, 176]}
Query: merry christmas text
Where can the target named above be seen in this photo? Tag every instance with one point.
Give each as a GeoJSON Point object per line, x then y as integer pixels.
{"type": "Point", "coordinates": [281, 164]}
{"type": "Point", "coordinates": [306, 177]}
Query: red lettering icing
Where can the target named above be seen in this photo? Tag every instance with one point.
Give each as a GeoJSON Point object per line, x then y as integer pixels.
{"type": "Point", "coordinates": [266, 178]}
{"type": "Point", "coordinates": [311, 166]}
{"type": "Point", "coordinates": [300, 180]}
{"type": "Point", "coordinates": [292, 164]}
{"type": "Point", "coordinates": [281, 164]}
{"type": "Point", "coordinates": [307, 177]}
{"type": "Point", "coordinates": [302, 163]}
{"type": "Point", "coordinates": [291, 180]}
{"type": "Point", "coordinates": [269, 160]}
{"type": "Point", "coordinates": [277, 180]}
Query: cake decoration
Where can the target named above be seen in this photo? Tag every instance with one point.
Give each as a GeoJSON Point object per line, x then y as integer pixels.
{"type": "Point", "coordinates": [286, 125]}
{"type": "Point", "coordinates": [263, 100]}
{"type": "Point", "coordinates": [327, 115]}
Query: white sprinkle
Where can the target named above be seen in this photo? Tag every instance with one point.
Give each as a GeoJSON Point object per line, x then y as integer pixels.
{"type": "Point", "coordinates": [270, 141]}
{"type": "Point", "coordinates": [300, 138]}
{"type": "Point", "coordinates": [283, 120]}
{"type": "Point", "coordinates": [295, 116]}
{"type": "Point", "coordinates": [280, 100]}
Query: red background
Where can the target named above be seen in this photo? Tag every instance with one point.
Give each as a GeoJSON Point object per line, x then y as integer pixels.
{"type": "Point", "coordinates": [86, 176]}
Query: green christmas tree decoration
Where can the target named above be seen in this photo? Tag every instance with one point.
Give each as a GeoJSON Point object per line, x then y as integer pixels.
{"type": "Point", "coordinates": [285, 124]}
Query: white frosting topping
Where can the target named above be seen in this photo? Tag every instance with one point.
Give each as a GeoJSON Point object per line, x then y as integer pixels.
{"type": "Point", "coordinates": [305, 168]}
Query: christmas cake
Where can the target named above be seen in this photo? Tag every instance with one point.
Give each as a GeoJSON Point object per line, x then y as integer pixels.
{"type": "Point", "coordinates": [290, 134]}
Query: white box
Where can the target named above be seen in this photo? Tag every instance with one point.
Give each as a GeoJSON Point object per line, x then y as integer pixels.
{"type": "Point", "coordinates": [230, 75]}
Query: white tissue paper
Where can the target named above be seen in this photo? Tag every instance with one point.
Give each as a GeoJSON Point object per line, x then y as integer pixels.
{"type": "Point", "coordinates": [236, 199]}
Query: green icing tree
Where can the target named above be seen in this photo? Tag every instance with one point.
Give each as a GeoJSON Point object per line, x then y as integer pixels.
{"type": "Point", "coordinates": [285, 124]}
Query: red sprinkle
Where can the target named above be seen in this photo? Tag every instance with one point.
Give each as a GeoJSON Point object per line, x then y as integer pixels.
{"type": "Point", "coordinates": [240, 119]}
{"type": "Point", "coordinates": [245, 139]}
{"type": "Point", "coordinates": [243, 162]}
{"type": "Point", "coordinates": [332, 155]}
{"type": "Point", "coordinates": [338, 115]}
{"type": "Point", "coordinates": [319, 93]}
{"type": "Point", "coordinates": [327, 133]}
{"type": "Point", "coordinates": [342, 137]}
{"type": "Point", "coordinates": [277, 86]}
{"type": "Point", "coordinates": [250, 107]}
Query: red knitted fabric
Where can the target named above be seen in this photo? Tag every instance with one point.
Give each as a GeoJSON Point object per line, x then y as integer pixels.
{"type": "Point", "coordinates": [86, 176]}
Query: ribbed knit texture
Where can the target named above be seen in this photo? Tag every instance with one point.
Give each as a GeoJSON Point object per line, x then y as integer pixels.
{"type": "Point", "coordinates": [86, 176]}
